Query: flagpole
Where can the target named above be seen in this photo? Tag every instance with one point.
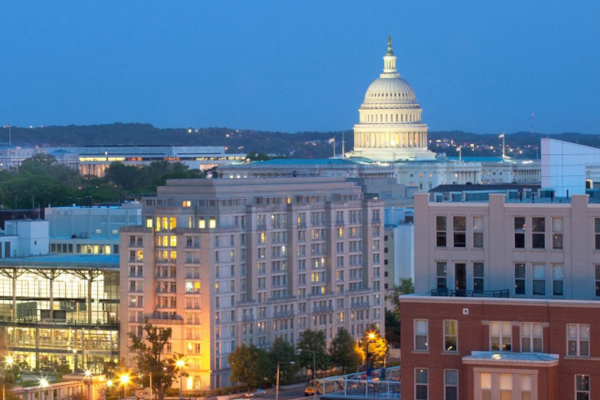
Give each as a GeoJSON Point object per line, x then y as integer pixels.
{"type": "Point", "coordinates": [503, 152]}
{"type": "Point", "coordinates": [334, 147]}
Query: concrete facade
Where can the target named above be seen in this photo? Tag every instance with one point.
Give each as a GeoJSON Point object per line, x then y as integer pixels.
{"type": "Point", "coordinates": [225, 262]}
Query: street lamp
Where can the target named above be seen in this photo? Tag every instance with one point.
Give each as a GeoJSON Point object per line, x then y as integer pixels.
{"type": "Point", "coordinates": [277, 384]}
{"type": "Point", "coordinates": [43, 382]}
{"type": "Point", "coordinates": [180, 364]}
{"type": "Point", "coordinates": [314, 371]}
{"type": "Point", "coordinates": [371, 339]}
{"type": "Point", "coordinates": [124, 381]}
{"type": "Point", "coordinates": [7, 363]}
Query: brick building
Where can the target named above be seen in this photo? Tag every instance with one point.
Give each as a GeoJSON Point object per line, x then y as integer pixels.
{"type": "Point", "coordinates": [506, 300]}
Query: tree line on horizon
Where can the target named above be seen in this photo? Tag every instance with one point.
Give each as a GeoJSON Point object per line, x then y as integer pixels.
{"type": "Point", "coordinates": [293, 145]}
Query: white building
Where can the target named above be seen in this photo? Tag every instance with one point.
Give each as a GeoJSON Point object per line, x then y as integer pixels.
{"type": "Point", "coordinates": [390, 141]}
{"type": "Point", "coordinates": [390, 126]}
{"type": "Point", "coordinates": [399, 253]}
{"type": "Point", "coordinates": [24, 238]}
{"type": "Point", "coordinates": [90, 230]}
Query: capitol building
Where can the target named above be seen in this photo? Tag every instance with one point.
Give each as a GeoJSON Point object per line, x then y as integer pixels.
{"type": "Point", "coordinates": [390, 126]}
{"type": "Point", "coordinates": [391, 158]}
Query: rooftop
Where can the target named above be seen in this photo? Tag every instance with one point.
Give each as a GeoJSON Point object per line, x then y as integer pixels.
{"type": "Point", "coordinates": [511, 358]}
{"type": "Point", "coordinates": [63, 261]}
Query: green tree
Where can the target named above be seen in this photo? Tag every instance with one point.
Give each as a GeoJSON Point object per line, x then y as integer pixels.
{"type": "Point", "coordinates": [250, 365]}
{"type": "Point", "coordinates": [126, 176]}
{"type": "Point", "coordinates": [378, 350]}
{"type": "Point", "coordinates": [406, 286]}
{"type": "Point", "coordinates": [313, 341]}
{"type": "Point", "coordinates": [27, 191]}
{"type": "Point", "coordinates": [150, 359]}
{"type": "Point", "coordinates": [284, 352]}
{"type": "Point", "coordinates": [392, 327]}
{"type": "Point", "coordinates": [344, 352]}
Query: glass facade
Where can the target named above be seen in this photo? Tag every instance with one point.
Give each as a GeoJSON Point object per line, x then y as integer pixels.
{"type": "Point", "coordinates": [60, 316]}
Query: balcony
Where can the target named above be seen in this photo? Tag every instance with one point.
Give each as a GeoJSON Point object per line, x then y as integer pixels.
{"type": "Point", "coordinates": [323, 309]}
{"type": "Point", "coordinates": [282, 314]}
{"type": "Point", "coordinates": [364, 304]}
{"type": "Point", "coordinates": [470, 293]}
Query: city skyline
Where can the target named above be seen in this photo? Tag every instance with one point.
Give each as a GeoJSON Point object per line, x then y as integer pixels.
{"type": "Point", "coordinates": [478, 68]}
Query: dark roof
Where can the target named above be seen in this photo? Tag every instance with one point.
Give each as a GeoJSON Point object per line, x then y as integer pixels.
{"type": "Point", "coordinates": [484, 188]}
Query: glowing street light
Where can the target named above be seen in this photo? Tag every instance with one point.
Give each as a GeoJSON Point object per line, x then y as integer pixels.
{"type": "Point", "coordinates": [8, 362]}
{"type": "Point", "coordinates": [124, 381]}
{"type": "Point", "coordinates": [180, 364]}
{"type": "Point", "coordinates": [88, 373]}
{"type": "Point", "coordinates": [109, 383]}
{"type": "Point", "coordinates": [44, 382]}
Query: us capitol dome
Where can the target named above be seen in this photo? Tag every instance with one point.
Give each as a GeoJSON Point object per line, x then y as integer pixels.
{"type": "Point", "coordinates": [390, 127]}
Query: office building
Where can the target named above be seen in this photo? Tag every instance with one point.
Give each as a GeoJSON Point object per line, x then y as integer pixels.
{"type": "Point", "coordinates": [226, 262]}
{"type": "Point", "coordinates": [58, 310]}
{"type": "Point", "coordinates": [506, 301]}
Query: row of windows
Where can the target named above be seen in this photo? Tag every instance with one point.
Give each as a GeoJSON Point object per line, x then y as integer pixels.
{"type": "Point", "coordinates": [501, 337]}
{"type": "Point", "coordinates": [494, 385]}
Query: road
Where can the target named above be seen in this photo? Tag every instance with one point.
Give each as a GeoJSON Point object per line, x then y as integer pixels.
{"type": "Point", "coordinates": [285, 394]}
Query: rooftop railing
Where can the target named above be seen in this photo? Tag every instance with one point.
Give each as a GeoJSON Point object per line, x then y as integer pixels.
{"type": "Point", "coordinates": [470, 293]}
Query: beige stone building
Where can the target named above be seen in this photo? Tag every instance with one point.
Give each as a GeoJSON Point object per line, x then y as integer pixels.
{"type": "Point", "coordinates": [225, 262]}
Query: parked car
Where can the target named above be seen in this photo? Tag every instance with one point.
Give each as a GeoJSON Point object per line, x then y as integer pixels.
{"type": "Point", "coordinates": [310, 391]}
{"type": "Point", "coordinates": [258, 393]}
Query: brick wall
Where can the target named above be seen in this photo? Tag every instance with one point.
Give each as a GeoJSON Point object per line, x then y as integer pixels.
{"type": "Point", "coordinates": [473, 335]}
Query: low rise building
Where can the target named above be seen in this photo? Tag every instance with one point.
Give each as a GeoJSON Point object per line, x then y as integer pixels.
{"type": "Point", "coordinates": [89, 230]}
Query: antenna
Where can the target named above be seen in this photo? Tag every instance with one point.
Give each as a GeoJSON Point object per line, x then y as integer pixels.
{"type": "Point", "coordinates": [343, 145]}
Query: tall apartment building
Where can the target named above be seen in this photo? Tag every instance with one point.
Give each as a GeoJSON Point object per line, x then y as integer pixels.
{"type": "Point", "coordinates": [227, 262]}
{"type": "Point", "coordinates": [506, 303]}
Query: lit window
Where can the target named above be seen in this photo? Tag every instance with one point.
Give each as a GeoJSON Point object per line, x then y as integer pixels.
{"type": "Point", "coordinates": [500, 336]}
{"type": "Point", "coordinates": [450, 335]}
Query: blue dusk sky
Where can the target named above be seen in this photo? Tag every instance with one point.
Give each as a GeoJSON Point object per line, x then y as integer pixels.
{"type": "Point", "coordinates": [479, 66]}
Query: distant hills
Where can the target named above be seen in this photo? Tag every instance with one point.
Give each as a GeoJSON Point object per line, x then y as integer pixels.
{"type": "Point", "coordinates": [293, 145]}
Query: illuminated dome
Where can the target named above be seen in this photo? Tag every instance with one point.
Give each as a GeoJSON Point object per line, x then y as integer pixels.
{"type": "Point", "coordinates": [390, 127]}
{"type": "Point", "coordinates": [388, 90]}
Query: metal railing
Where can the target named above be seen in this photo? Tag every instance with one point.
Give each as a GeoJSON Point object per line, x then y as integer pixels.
{"type": "Point", "coordinates": [470, 293]}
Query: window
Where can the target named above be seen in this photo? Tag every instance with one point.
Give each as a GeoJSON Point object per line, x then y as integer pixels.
{"type": "Point", "coordinates": [578, 340]}
{"type": "Point", "coordinates": [478, 277]}
{"type": "Point", "coordinates": [440, 226]}
{"type": "Point", "coordinates": [450, 384]}
{"type": "Point", "coordinates": [582, 387]}
{"type": "Point", "coordinates": [531, 337]}
{"type": "Point", "coordinates": [539, 280]}
{"type": "Point", "coordinates": [500, 336]}
{"type": "Point", "coordinates": [526, 387]}
{"type": "Point", "coordinates": [460, 231]}
{"type": "Point", "coordinates": [557, 279]}
{"type": "Point", "coordinates": [557, 236]}
{"type": "Point", "coordinates": [506, 386]}
{"type": "Point", "coordinates": [442, 275]}
{"type": "Point", "coordinates": [486, 386]}
{"type": "Point", "coordinates": [597, 280]}
{"type": "Point", "coordinates": [450, 335]}
{"type": "Point", "coordinates": [520, 279]}
{"type": "Point", "coordinates": [477, 231]}
{"type": "Point", "coordinates": [538, 233]}
{"type": "Point", "coordinates": [421, 333]}
{"type": "Point", "coordinates": [519, 232]}
{"type": "Point", "coordinates": [597, 231]}
{"type": "Point", "coordinates": [421, 384]}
